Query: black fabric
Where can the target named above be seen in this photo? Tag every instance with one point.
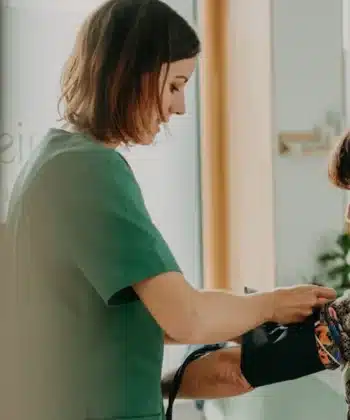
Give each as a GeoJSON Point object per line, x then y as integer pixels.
{"type": "Point", "coordinates": [270, 354]}
{"type": "Point", "coordinates": [275, 353]}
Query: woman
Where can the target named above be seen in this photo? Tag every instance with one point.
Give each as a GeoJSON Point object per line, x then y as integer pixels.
{"type": "Point", "coordinates": [98, 290]}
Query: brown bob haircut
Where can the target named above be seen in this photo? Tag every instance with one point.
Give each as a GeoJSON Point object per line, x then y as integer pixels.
{"type": "Point", "coordinates": [110, 83]}
{"type": "Point", "coordinates": [339, 163]}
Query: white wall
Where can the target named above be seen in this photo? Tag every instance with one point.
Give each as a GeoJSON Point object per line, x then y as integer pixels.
{"type": "Point", "coordinates": [38, 36]}
{"type": "Point", "coordinates": [308, 82]}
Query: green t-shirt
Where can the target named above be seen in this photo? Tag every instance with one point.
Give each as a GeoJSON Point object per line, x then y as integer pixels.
{"type": "Point", "coordinates": [89, 347]}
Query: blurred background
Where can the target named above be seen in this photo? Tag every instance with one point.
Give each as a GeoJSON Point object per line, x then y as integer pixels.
{"type": "Point", "coordinates": [239, 185]}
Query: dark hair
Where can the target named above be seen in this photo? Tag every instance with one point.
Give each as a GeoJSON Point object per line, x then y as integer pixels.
{"type": "Point", "coordinates": [110, 83]}
{"type": "Point", "coordinates": [339, 163]}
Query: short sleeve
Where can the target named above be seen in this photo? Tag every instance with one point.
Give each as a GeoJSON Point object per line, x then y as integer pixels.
{"type": "Point", "coordinates": [103, 224]}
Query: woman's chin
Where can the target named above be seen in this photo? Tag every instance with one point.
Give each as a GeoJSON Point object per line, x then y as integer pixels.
{"type": "Point", "coordinates": [149, 139]}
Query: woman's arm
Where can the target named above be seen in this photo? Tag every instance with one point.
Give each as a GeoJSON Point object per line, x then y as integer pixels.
{"type": "Point", "coordinates": [190, 316]}
{"type": "Point", "coordinates": [193, 316]}
{"type": "Point", "coordinates": [217, 375]}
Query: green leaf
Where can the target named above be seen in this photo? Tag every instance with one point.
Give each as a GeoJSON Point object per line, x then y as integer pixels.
{"type": "Point", "coordinates": [343, 269]}
{"type": "Point", "coordinates": [340, 291]}
{"type": "Point", "coordinates": [344, 242]}
{"type": "Point", "coordinates": [329, 256]}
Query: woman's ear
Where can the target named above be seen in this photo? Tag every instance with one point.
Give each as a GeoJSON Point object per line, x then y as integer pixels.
{"type": "Point", "coordinates": [339, 163]}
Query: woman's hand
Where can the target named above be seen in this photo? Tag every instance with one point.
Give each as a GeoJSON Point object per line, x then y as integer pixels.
{"type": "Point", "coordinates": [294, 304]}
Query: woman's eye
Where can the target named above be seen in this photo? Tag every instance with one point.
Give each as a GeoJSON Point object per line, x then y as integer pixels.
{"type": "Point", "coordinates": [174, 88]}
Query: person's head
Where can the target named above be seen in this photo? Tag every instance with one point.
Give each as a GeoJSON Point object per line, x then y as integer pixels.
{"type": "Point", "coordinates": [128, 70]}
{"type": "Point", "coordinates": [339, 163]}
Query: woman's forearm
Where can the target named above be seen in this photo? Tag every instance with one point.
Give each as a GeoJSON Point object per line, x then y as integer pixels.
{"type": "Point", "coordinates": [229, 315]}
{"type": "Point", "coordinates": [195, 316]}
{"type": "Point", "coordinates": [217, 375]}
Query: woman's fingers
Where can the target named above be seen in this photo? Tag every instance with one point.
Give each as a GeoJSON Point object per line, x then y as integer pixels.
{"type": "Point", "coordinates": [325, 293]}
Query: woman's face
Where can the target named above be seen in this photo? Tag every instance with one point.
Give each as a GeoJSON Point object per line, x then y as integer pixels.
{"type": "Point", "coordinates": [173, 95]}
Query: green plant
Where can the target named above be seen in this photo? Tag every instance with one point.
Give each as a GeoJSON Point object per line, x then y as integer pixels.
{"type": "Point", "coordinates": [336, 264]}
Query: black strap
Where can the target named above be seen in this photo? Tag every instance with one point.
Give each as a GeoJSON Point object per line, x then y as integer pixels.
{"type": "Point", "coordinates": [196, 354]}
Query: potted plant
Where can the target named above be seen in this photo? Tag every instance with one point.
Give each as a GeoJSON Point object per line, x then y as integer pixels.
{"type": "Point", "coordinates": [336, 265]}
